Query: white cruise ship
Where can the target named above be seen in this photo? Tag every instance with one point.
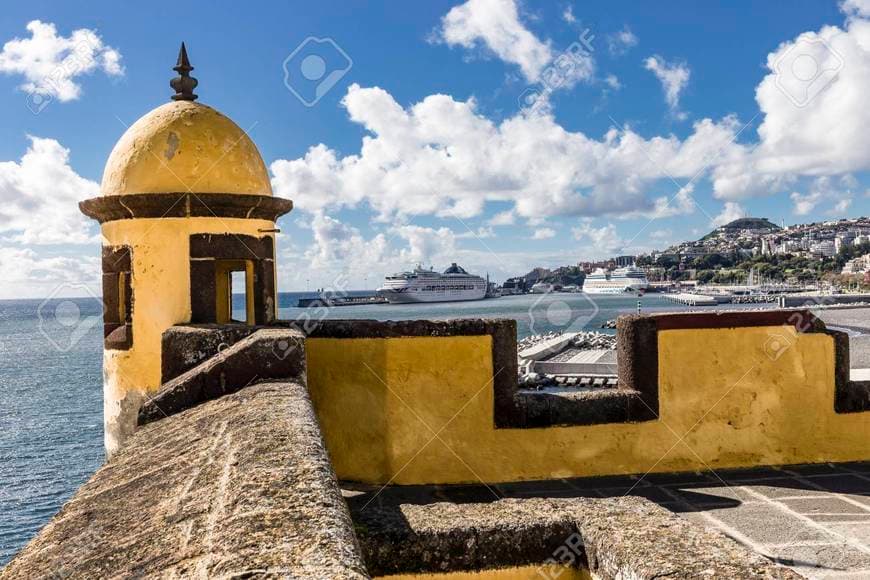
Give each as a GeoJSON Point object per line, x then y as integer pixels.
{"type": "Point", "coordinates": [628, 279]}
{"type": "Point", "coordinates": [429, 286]}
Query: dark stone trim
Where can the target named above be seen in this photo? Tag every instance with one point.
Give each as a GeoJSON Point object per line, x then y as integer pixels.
{"type": "Point", "coordinates": [231, 247]}
{"type": "Point", "coordinates": [203, 291]}
{"type": "Point", "coordinates": [207, 249]}
{"type": "Point", "coordinates": [637, 363]}
{"type": "Point", "coordinates": [596, 407]}
{"type": "Point", "coordinates": [802, 320]}
{"type": "Point", "coordinates": [269, 353]}
{"type": "Point", "coordinates": [184, 347]}
{"type": "Point", "coordinates": [849, 396]}
{"type": "Point", "coordinates": [184, 204]}
{"type": "Point", "coordinates": [117, 333]}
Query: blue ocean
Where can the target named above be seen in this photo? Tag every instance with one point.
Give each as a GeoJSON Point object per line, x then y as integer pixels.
{"type": "Point", "coordinates": [51, 434]}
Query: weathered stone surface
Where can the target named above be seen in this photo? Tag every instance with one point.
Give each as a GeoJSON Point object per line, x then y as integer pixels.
{"type": "Point", "coordinates": [634, 538]}
{"type": "Point", "coordinates": [622, 538]}
{"type": "Point", "coordinates": [238, 487]}
{"type": "Point", "coordinates": [270, 353]}
{"type": "Point", "coordinates": [185, 346]}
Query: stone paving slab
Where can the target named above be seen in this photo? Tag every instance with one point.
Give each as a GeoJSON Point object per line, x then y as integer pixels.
{"type": "Point", "coordinates": [812, 518]}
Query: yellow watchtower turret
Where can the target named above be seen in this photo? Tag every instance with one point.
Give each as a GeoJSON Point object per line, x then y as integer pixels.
{"type": "Point", "coordinates": [186, 203]}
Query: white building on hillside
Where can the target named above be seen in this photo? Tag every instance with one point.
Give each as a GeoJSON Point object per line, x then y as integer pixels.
{"type": "Point", "coordinates": [859, 265]}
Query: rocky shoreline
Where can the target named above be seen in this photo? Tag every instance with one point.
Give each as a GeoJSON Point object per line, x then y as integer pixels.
{"type": "Point", "coordinates": [582, 341]}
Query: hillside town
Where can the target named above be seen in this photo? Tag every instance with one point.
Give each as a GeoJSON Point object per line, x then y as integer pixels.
{"type": "Point", "coordinates": [832, 255]}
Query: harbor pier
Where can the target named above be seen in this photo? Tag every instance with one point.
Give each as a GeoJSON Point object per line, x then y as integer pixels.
{"type": "Point", "coordinates": [692, 299]}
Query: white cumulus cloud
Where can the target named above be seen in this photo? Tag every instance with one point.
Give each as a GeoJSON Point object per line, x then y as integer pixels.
{"type": "Point", "coordinates": [621, 41]}
{"type": "Point", "coordinates": [730, 212]}
{"type": "Point", "coordinates": [859, 8]}
{"type": "Point", "coordinates": [544, 234]}
{"type": "Point", "coordinates": [442, 157]}
{"type": "Point", "coordinates": [825, 190]}
{"type": "Point", "coordinates": [27, 273]}
{"type": "Point", "coordinates": [815, 128]}
{"type": "Point", "coordinates": [674, 77]}
{"type": "Point", "coordinates": [496, 24]}
{"type": "Point", "coordinates": [599, 242]}
{"type": "Point", "coordinates": [39, 197]}
{"type": "Point", "coordinates": [51, 63]}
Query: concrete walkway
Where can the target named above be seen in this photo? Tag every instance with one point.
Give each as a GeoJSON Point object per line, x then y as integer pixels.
{"type": "Point", "coordinates": [814, 519]}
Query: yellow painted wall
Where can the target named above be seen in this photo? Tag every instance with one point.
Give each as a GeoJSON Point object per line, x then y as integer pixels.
{"type": "Point", "coordinates": [161, 298]}
{"type": "Point", "coordinates": [520, 573]}
{"type": "Point", "coordinates": [420, 410]}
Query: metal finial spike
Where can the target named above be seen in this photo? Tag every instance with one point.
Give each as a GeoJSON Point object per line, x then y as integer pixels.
{"type": "Point", "coordinates": [183, 61]}
{"type": "Point", "coordinates": [184, 83]}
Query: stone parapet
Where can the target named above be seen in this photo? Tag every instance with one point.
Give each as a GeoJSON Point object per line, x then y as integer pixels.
{"type": "Point", "coordinates": [235, 487]}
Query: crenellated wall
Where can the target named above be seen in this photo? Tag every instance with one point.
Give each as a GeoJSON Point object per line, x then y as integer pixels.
{"type": "Point", "coordinates": [720, 391]}
{"type": "Point", "coordinates": [419, 402]}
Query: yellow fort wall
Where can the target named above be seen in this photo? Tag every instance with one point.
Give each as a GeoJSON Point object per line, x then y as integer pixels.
{"type": "Point", "coordinates": [420, 410]}
{"type": "Point", "coordinates": [161, 298]}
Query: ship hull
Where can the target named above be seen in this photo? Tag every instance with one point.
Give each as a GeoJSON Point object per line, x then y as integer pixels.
{"type": "Point", "coordinates": [609, 291]}
{"type": "Point", "coordinates": [613, 289]}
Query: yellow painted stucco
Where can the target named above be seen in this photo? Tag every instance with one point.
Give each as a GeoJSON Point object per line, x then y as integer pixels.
{"type": "Point", "coordinates": [420, 410]}
{"type": "Point", "coordinates": [161, 298]}
{"type": "Point", "coordinates": [185, 146]}
{"type": "Point", "coordinates": [546, 572]}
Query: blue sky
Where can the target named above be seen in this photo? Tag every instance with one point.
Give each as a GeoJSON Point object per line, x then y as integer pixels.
{"type": "Point", "coordinates": [664, 97]}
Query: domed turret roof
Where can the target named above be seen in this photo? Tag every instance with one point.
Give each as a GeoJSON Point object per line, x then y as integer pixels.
{"type": "Point", "coordinates": [185, 146]}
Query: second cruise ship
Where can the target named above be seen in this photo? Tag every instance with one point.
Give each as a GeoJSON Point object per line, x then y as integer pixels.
{"type": "Point", "coordinates": [628, 279]}
{"type": "Point", "coordinates": [420, 285]}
